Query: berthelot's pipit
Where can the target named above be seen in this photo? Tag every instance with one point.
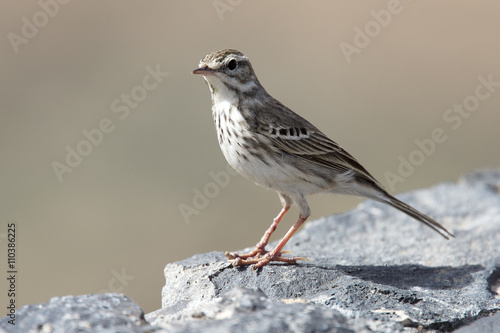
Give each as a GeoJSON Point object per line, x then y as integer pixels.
{"type": "Point", "coordinates": [276, 148]}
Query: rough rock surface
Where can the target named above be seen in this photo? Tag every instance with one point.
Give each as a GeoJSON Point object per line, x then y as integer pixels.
{"type": "Point", "coordinates": [86, 313]}
{"type": "Point", "coordinates": [370, 269]}
{"type": "Point", "coordinates": [483, 325]}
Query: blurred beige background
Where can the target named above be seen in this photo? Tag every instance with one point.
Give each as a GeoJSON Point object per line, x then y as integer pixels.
{"type": "Point", "coordinates": [118, 212]}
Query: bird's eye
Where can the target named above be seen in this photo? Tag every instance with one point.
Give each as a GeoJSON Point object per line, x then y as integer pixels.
{"type": "Point", "coordinates": [232, 65]}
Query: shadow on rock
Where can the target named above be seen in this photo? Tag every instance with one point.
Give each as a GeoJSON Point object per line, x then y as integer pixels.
{"type": "Point", "coordinates": [409, 276]}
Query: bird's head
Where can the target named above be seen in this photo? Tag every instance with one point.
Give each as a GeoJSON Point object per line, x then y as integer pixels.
{"type": "Point", "coordinates": [228, 72]}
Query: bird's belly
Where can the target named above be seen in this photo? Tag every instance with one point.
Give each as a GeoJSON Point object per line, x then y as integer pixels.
{"type": "Point", "coordinates": [270, 171]}
{"type": "Point", "coordinates": [244, 162]}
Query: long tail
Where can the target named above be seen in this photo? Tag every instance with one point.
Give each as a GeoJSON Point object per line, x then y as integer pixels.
{"type": "Point", "coordinates": [405, 208]}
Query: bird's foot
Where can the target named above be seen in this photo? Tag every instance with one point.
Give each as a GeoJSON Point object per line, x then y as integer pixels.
{"type": "Point", "coordinates": [259, 257]}
{"type": "Point", "coordinates": [258, 252]}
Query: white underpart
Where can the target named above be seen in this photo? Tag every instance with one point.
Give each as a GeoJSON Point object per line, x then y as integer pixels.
{"type": "Point", "coordinates": [223, 100]}
{"type": "Point", "coordinates": [347, 185]}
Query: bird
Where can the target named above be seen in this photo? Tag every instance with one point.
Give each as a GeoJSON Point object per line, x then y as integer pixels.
{"type": "Point", "coordinates": [276, 148]}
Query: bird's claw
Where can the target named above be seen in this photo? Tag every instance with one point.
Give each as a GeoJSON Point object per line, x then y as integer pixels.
{"type": "Point", "coordinates": [260, 258]}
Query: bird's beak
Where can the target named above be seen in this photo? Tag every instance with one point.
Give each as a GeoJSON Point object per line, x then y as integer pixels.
{"type": "Point", "coordinates": [204, 71]}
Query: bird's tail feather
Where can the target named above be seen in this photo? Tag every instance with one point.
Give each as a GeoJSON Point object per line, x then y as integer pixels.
{"type": "Point", "coordinates": [407, 209]}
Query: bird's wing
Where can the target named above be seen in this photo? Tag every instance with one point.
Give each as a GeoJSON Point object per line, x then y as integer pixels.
{"type": "Point", "coordinates": [309, 143]}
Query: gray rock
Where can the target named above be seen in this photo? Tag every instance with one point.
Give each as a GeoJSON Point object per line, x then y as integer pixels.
{"type": "Point", "coordinates": [483, 325]}
{"type": "Point", "coordinates": [370, 269]}
{"type": "Point", "coordinates": [250, 310]}
{"type": "Point", "coordinates": [86, 313]}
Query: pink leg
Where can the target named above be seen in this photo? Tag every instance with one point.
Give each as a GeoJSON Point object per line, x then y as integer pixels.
{"type": "Point", "coordinates": [274, 255]}
{"type": "Point", "coordinates": [265, 239]}
{"type": "Point", "coordinates": [260, 248]}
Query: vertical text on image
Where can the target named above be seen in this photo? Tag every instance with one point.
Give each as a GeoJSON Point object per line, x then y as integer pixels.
{"type": "Point", "coordinates": [12, 271]}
